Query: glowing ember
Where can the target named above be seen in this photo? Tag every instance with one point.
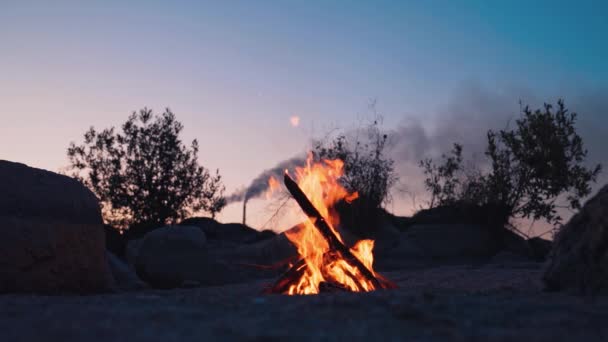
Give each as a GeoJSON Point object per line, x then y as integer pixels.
{"type": "Point", "coordinates": [319, 263]}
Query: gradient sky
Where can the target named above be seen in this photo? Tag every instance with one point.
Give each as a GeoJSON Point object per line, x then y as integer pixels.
{"type": "Point", "coordinates": [235, 72]}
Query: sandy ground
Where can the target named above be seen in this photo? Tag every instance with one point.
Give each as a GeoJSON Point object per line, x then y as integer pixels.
{"type": "Point", "coordinates": [456, 303]}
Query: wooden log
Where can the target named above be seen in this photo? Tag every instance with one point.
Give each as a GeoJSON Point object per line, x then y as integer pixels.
{"type": "Point", "coordinates": [323, 227]}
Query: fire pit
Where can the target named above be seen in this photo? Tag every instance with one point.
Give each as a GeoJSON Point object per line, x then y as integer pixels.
{"type": "Point", "coordinates": [326, 263]}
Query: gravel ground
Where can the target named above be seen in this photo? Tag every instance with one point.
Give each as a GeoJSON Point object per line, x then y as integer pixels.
{"type": "Point", "coordinates": [456, 303]}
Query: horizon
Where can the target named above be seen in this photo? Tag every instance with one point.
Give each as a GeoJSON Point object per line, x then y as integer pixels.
{"type": "Point", "coordinates": [237, 76]}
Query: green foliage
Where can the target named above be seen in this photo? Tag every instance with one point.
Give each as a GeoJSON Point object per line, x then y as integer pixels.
{"type": "Point", "coordinates": [367, 169]}
{"type": "Point", "coordinates": [145, 175]}
{"type": "Point", "coordinates": [531, 166]}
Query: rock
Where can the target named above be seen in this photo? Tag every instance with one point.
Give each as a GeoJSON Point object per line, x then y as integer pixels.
{"type": "Point", "coordinates": [509, 258]}
{"type": "Point", "coordinates": [387, 234]}
{"type": "Point", "coordinates": [539, 248]}
{"type": "Point", "coordinates": [514, 243]}
{"type": "Point", "coordinates": [115, 241]}
{"type": "Point", "coordinates": [181, 256]}
{"type": "Point", "coordinates": [267, 252]}
{"type": "Point", "coordinates": [51, 233]}
{"type": "Point", "coordinates": [132, 250]}
{"type": "Point", "coordinates": [578, 260]}
{"type": "Point", "coordinates": [227, 232]}
{"type": "Point", "coordinates": [171, 255]}
{"type": "Point", "coordinates": [461, 213]}
{"type": "Point", "coordinates": [431, 245]}
{"type": "Point", "coordinates": [405, 254]}
{"type": "Point", "coordinates": [125, 278]}
{"type": "Point", "coordinates": [445, 241]}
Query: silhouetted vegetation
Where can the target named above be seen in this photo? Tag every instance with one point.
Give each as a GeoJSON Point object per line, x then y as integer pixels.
{"type": "Point", "coordinates": [145, 175]}
{"type": "Point", "coordinates": [530, 167]}
{"type": "Point", "coordinates": [367, 169]}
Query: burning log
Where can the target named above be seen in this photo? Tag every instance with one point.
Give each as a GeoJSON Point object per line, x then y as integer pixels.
{"type": "Point", "coordinates": [326, 231]}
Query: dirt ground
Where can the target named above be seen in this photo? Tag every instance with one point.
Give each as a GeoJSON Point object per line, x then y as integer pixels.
{"type": "Point", "coordinates": [456, 303]}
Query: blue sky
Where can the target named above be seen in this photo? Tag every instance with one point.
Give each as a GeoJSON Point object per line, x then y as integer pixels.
{"type": "Point", "coordinates": [234, 72]}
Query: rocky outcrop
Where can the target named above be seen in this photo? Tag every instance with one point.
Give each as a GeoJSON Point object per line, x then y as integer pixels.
{"type": "Point", "coordinates": [51, 233]}
{"type": "Point", "coordinates": [579, 258]}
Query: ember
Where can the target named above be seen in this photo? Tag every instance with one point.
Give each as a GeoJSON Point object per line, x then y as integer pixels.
{"type": "Point", "coordinates": [326, 263]}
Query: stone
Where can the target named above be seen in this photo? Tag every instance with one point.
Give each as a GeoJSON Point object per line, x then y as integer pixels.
{"type": "Point", "coordinates": [578, 260]}
{"type": "Point", "coordinates": [540, 248]}
{"type": "Point", "coordinates": [51, 233]}
{"type": "Point", "coordinates": [125, 278]}
{"type": "Point", "coordinates": [172, 255]}
{"type": "Point", "coordinates": [444, 241]}
{"type": "Point", "coordinates": [227, 233]}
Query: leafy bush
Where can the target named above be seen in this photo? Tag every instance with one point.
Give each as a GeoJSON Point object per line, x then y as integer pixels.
{"type": "Point", "coordinates": [530, 168]}
{"type": "Point", "coordinates": [367, 169]}
{"type": "Point", "coordinates": [145, 175]}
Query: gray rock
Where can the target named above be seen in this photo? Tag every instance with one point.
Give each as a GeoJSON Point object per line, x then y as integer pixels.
{"type": "Point", "coordinates": [125, 278]}
{"type": "Point", "coordinates": [172, 255]}
{"type": "Point", "coordinates": [51, 233]}
{"type": "Point", "coordinates": [227, 233]}
{"type": "Point", "coordinates": [132, 250]}
{"type": "Point", "coordinates": [540, 248]}
{"type": "Point", "coordinates": [452, 240]}
{"type": "Point", "coordinates": [509, 258]}
{"type": "Point", "coordinates": [579, 258]}
{"type": "Point", "coordinates": [31, 193]}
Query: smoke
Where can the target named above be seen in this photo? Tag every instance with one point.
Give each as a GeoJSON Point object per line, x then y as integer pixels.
{"type": "Point", "coordinates": [259, 185]}
{"type": "Point", "coordinates": [592, 110]}
{"type": "Point", "coordinates": [465, 119]}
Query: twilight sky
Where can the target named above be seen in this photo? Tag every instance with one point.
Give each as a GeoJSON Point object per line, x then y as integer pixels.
{"type": "Point", "coordinates": [235, 72]}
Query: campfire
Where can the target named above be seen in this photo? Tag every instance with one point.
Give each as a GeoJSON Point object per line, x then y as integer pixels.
{"type": "Point", "coordinates": [326, 263]}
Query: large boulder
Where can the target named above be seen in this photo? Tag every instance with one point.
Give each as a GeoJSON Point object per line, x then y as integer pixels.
{"type": "Point", "coordinates": [578, 260]}
{"type": "Point", "coordinates": [51, 233]}
{"type": "Point", "coordinates": [180, 256]}
{"type": "Point", "coordinates": [171, 256]}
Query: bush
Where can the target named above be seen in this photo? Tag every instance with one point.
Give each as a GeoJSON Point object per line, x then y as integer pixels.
{"type": "Point", "coordinates": [145, 175]}
{"type": "Point", "coordinates": [530, 168]}
{"type": "Point", "coordinates": [367, 169]}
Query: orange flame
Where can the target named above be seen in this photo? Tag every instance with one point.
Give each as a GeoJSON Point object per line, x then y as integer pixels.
{"type": "Point", "coordinates": [320, 183]}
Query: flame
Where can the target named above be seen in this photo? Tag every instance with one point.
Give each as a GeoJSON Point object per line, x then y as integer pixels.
{"type": "Point", "coordinates": [273, 185]}
{"type": "Point", "coordinates": [320, 182]}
